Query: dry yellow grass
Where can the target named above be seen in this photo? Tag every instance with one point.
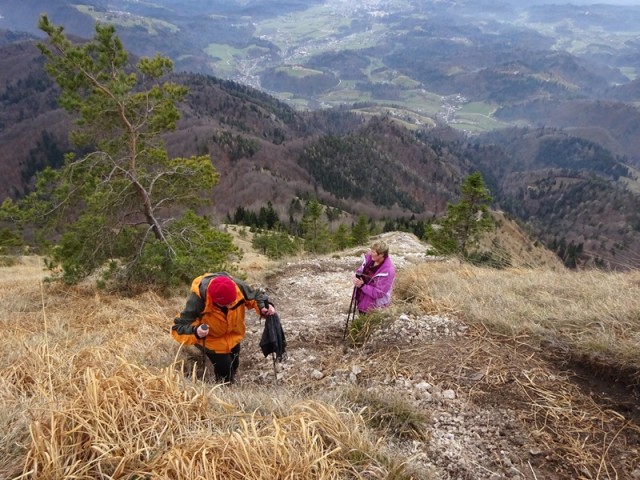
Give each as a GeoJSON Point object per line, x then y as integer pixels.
{"type": "Point", "coordinates": [589, 319]}
{"type": "Point", "coordinates": [586, 314]}
{"type": "Point", "coordinates": [509, 245]}
{"type": "Point", "coordinates": [89, 388]}
{"type": "Point", "coordinates": [253, 265]}
{"type": "Point", "coordinates": [131, 421]}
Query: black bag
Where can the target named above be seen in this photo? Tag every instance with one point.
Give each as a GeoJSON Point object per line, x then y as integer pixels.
{"type": "Point", "coordinates": [273, 340]}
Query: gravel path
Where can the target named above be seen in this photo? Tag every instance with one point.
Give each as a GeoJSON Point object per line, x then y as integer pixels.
{"type": "Point", "coordinates": [475, 395]}
{"type": "Point", "coordinates": [462, 441]}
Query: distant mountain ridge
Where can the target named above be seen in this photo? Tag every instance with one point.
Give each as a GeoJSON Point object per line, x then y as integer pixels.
{"type": "Point", "coordinates": [498, 51]}
{"type": "Point", "coordinates": [474, 65]}
{"type": "Point", "coordinates": [569, 190]}
{"type": "Point", "coordinates": [615, 124]}
{"type": "Point", "coordinates": [570, 185]}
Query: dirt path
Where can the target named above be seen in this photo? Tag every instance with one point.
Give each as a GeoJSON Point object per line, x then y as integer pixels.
{"type": "Point", "coordinates": [494, 409]}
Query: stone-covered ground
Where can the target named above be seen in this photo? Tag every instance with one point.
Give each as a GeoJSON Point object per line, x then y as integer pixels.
{"type": "Point", "coordinates": [491, 404]}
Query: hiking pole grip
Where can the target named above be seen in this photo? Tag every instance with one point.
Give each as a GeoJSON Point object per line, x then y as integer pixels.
{"type": "Point", "coordinates": [205, 328]}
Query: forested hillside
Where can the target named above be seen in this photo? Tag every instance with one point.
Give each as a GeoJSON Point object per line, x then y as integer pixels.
{"type": "Point", "coordinates": [572, 192]}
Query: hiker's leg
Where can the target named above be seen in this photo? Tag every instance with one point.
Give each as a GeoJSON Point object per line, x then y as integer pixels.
{"type": "Point", "coordinates": [225, 364]}
{"type": "Point", "coordinates": [221, 365]}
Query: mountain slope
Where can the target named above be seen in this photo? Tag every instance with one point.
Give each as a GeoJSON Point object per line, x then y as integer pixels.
{"type": "Point", "coordinates": [265, 151]}
{"type": "Point", "coordinates": [570, 191]}
{"type": "Point", "coordinates": [33, 130]}
{"type": "Point", "coordinates": [430, 394]}
{"type": "Point", "coordinates": [330, 53]}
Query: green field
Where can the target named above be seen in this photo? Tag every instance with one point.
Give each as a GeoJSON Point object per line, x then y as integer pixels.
{"type": "Point", "coordinates": [299, 71]}
{"type": "Point", "coordinates": [320, 29]}
{"type": "Point", "coordinates": [152, 26]}
{"type": "Point", "coordinates": [226, 57]}
{"type": "Point", "coordinates": [314, 24]}
{"type": "Point", "coordinates": [338, 26]}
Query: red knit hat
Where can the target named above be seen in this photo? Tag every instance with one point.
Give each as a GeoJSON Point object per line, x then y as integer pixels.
{"type": "Point", "coordinates": [222, 290]}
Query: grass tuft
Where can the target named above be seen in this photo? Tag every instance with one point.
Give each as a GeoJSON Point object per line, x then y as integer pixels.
{"type": "Point", "coordinates": [363, 326]}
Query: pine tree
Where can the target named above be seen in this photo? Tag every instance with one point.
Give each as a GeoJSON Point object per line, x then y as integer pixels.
{"type": "Point", "coordinates": [120, 204]}
{"type": "Point", "coordinates": [316, 232]}
{"type": "Point", "coordinates": [465, 221]}
{"type": "Point", "coordinates": [342, 238]}
{"type": "Point", "coordinates": [276, 244]}
{"type": "Point", "coordinates": [360, 231]}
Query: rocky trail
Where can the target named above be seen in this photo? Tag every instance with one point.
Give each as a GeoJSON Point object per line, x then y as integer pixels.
{"type": "Point", "coordinates": [490, 408]}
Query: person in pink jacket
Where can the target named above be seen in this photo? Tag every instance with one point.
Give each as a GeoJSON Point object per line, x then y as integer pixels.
{"type": "Point", "coordinates": [374, 279]}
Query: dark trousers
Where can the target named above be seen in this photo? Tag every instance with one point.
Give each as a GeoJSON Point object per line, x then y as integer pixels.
{"type": "Point", "coordinates": [225, 364]}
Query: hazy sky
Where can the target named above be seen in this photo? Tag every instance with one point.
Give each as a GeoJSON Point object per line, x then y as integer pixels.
{"type": "Point", "coordinates": [578, 2]}
{"type": "Point", "coordinates": [591, 2]}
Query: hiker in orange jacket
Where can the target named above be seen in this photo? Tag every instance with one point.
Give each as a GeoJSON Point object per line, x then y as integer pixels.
{"type": "Point", "coordinates": [213, 319]}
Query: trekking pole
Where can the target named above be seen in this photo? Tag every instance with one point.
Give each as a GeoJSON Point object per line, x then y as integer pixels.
{"type": "Point", "coordinates": [204, 342]}
{"type": "Point", "coordinates": [275, 370]}
{"type": "Point", "coordinates": [351, 312]}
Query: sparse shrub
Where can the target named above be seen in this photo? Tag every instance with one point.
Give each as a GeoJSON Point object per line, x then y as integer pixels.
{"type": "Point", "coordinates": [276, 245]}
{"type": "Point", "coordinates": [364, 325]}
{"type": "Point", "coordinates": [488, 258]}
{"type": "Point", "coordinates": [391, 414]}
{"type": "Point", "coordinates": [8, 261]}
{"type": "Point", "coordinates": [9, 239]}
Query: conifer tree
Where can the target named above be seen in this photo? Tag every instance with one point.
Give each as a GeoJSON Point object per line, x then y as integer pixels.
{"type": "Point", "coordinates": [465, 221]}
{"type": "Point", "coordinates": [316, 232]}
{"type": "Point", "coordinates": [360, 231]}
{"type": "Point", "coordinates": [125, 203]}
{"type": "Point", "coordinates": [276, 244]}
{"type": "Point", "coordinates": [268, 217]}
{"type": "Point", "coordinates": [342, 238]}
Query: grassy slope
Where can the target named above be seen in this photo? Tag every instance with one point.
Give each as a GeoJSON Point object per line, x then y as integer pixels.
{"type": "Point", "coordinates": [89, 380]}
{"type": "Point", "coordinates": [89, 383]}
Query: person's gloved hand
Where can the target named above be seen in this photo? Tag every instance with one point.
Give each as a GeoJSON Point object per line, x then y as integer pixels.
{"type": "Point", "coordinates": [202, 330]}
{"type": "Point", "coordinates": [269, 310]}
